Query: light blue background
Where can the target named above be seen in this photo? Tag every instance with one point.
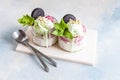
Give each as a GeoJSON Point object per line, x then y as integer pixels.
{"type": "Point", "coordinates": [102, 15]}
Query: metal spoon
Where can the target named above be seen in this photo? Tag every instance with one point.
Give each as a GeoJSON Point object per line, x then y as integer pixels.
{"type": "Point", "coordinates": [21, 37]}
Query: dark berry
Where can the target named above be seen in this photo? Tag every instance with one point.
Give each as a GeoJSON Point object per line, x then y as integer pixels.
{"type": "Point", "coordinates": [67, 18]}
{"type": "Point", "coordinates": [37, 12]}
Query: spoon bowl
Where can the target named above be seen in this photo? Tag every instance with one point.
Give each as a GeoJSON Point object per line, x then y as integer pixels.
{"type": "Point", "coordinates": [20, 36]}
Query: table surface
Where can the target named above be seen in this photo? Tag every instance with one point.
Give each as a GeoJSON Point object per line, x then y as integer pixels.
{"type": "Point", "coordinates": [102, 15]}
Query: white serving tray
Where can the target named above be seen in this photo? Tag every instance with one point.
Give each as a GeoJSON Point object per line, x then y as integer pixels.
{"type": "Point", "coordinates": [86, 56]}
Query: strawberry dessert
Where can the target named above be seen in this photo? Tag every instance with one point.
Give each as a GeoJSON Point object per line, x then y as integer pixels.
{"type": "Point", "coordinates": [71, 33]}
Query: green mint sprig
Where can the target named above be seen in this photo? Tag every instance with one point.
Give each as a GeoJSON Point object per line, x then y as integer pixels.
{"type": "Point", "coordinates": [61, 29]}
{"type": "Point", "coordinates": [26, 20]}
{"type": "Point", "coordinates": [29, 21]}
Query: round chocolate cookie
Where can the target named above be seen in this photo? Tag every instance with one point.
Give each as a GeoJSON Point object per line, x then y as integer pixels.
{"type": "Point", "coordinates": [37, 12]}
{"type": "Point", "coordinates": [67, 17]}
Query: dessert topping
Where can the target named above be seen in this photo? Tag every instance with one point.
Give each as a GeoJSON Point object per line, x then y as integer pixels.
{"type": "Point", "coordinates": [67, 18]}
{"type": "Point", "coordinates": [37, 12]}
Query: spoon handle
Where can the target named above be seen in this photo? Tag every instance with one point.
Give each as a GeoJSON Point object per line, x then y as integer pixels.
{"type": "Point", "coordinates": [39, 57]}
{"type": "Point", "coordinates": [46, 57]}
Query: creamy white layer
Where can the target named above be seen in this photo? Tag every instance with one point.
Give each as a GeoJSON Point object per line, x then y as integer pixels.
{"type": "Point", "coordinates": [44, 42]}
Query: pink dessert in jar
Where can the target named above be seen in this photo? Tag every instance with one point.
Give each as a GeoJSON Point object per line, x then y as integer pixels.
{"type": "Point", "coordinates": [71, 33]}
{"type": "Point", "coordinates": [42, 27]}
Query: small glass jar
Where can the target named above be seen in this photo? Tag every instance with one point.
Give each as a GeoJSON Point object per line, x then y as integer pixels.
{"type": "Point", "coordinates": [46, 40]}
{"type": "Point", "coordinates": [43, 40]}
{"type": "Point", "coordinates": [75, 44]}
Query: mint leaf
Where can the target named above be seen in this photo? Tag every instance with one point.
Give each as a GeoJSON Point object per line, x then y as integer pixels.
{"type": "Point", "coordinates": [68, 34]}
{"type": "Point", "coordinates": [56, 32]}
{"type": "Point", "coordinates": [61, 33]}
{"type": "Point", "coordinates": [26, 20]}
{"type": "Point", "coordinates": [57, 26]}
{"type": "Point", "coordinates": [63, 24]}
{"type": "Point", "coordinates": [61, 29]}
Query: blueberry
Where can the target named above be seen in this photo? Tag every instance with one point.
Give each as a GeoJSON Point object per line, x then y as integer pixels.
{"type": "Point", "coordinates": [67, 17]}
{"type": "Point", "coordinates": [37, 12]}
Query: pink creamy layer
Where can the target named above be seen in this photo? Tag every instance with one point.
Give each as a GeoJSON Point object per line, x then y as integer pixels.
{"type": "Point", "coordinates": [84, 28]}
{"type": "Point", "coordinates": [50, 18]}
{"type": "Point", "coordinates": [77, 40]}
